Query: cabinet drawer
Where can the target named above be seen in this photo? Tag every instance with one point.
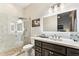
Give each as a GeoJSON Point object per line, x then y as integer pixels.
{"type": "Point", "coordinates": [37, 43]}
{"type": "Point", "coordinates": [45, 52]}
{"type": "Point", "coordinates": [72, 52]}
{"type": "Point", "coordinates": [37, 53]}
{"type": "Point", "coordinates": [60, 49]}
{"type": "Point", "coordinates": [47, 46]}
{"type": "Point", "coordinates": [37, 49]}
{"type": "Point", "coordinates": [54, 54]}
{"type": "Point", "coordinates": [49, 53]}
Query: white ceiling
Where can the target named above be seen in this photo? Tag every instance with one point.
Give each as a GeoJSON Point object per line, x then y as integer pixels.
{"type": "Point", "coordinates": [21, 5]}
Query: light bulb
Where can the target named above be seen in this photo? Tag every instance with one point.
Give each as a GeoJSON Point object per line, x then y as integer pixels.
{"type": "Point", "coordinates": [62, 6]}
{"type": "Point", "coordinates": [55, 8]}
{"type": "Point", "coordinates": [20, 21]}
{"type": "Point", "coordinates": [50, 10]}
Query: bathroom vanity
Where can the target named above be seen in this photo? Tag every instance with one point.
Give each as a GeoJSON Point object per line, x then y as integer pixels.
{"type": "Point", "coordinates": [48, 47]}
{"type": "Point", "coordinates": [61, 22]}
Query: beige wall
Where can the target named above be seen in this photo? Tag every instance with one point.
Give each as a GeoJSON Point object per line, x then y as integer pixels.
{"type": "Point", "coordinates": [8, 14]}
{"type": "Point", "coordinates": [33, 11]}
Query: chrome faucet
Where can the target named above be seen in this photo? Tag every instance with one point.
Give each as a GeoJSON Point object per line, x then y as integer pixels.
{"type": "Point", "coordinates": [55, 36]}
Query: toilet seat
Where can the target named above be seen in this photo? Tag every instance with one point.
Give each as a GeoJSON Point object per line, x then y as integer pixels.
{"type": "Point", "coordinates": [27, 47]}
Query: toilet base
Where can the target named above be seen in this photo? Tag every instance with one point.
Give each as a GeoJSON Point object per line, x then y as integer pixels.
{"type": "Point", "coordinates": [28, 49]}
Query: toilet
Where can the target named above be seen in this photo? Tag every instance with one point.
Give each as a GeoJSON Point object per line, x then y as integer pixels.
{"type": "Point", "coordinates": [28, 49]}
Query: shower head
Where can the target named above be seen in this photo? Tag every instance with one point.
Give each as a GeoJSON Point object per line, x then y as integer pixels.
{"type": "Point", "coordinates": [22, 18]}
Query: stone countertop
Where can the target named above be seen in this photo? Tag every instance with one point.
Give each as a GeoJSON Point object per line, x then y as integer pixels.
{"type": "Point", "coordinates": [66, 43]}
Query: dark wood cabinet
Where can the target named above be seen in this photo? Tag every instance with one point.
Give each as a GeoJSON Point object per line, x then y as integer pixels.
{"type": "Point", "coordinates": [38, 43]}
{"type": "Point", "coordinates": [47, 46]}
{"type": "Point", "coordinates": [60, 49]}
{"type": "Point", "coordinates": [37, 53]}
{"type": "Point", "coordinates": [46, 52]}
{"type": "Point", "coordinates": [72, 52]}
{"type": "Point", "coordinates": [50, 49]}
{"type": "Point", "coordinates": [38, 48]}
{"type": "Point", "coordinates": [53, 47]}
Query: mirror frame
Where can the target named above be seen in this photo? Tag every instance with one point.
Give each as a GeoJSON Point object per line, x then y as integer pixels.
{"type": "Point", "coordinates": [41, 22]}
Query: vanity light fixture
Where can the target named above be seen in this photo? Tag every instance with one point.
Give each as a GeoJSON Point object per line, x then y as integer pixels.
{"type": "Point", "coordinates": [62, 6]}
{"type": "Point", "coordinates": [50, 10]}
{"type": "Point", "coordinates": [56, 7]}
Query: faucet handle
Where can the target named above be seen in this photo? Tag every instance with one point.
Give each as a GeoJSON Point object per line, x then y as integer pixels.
{"type": "Point", "coordinates": [55, 35]}
{"type": "Point", "coordinates": [59, 37]}
{"type": "Point", "coordinates": [75, 40]}
{"type": "Point", "coordinates": [52, 35]}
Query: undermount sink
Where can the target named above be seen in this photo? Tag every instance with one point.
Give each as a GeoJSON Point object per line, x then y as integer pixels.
{"type": "Point", "coordinates": [69, 41]}
{"type": "Point", "coordinates": [65, 40]}
{"type": "Point", "coordinates": [42, 36]}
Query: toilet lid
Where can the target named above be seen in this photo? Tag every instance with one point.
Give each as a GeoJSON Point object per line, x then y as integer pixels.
{"type": "Point", "coordinates": [28, 46]}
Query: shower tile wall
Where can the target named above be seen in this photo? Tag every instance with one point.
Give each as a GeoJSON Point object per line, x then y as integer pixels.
{"type": "Point", "coordinates": [8, 14]}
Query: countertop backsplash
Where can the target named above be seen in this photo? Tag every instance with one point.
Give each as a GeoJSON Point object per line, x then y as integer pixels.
{"type": "Point", "coordinates": [74, 36]}
{"type": "Point", "coordinates": [66, 35]}
{"type": "Point", "coordinates": [62, 34]}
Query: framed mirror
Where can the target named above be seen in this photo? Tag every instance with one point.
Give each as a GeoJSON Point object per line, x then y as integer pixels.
{"type": "Point", "coordinates": [63, 22]}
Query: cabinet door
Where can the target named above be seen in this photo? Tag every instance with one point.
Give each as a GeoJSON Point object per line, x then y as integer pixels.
{"type": "Point", "coordinates": [37, 53]}
{"type": "Point", "coordinates": [72, 52]}
{"type": "Point", "coordinates": [47, 46]}
{"type": "Point", "coordinates": [60, 49]}
{"type": "Point", "coordinates": [37, 48]}
{"type": "Point", "coordinates": [45, 52]}
{"type": "Point", "coordinates": [49, 53]}
{"type": "Point", "coordinates": [53, 47]}
{"type": "Point", "coordinates": [54, 54]}
{"type": "Point", "coordinates": [37, 43]}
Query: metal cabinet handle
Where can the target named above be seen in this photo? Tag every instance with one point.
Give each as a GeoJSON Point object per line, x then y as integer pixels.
{"type": "Point", "coordinates": [51, 52]}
